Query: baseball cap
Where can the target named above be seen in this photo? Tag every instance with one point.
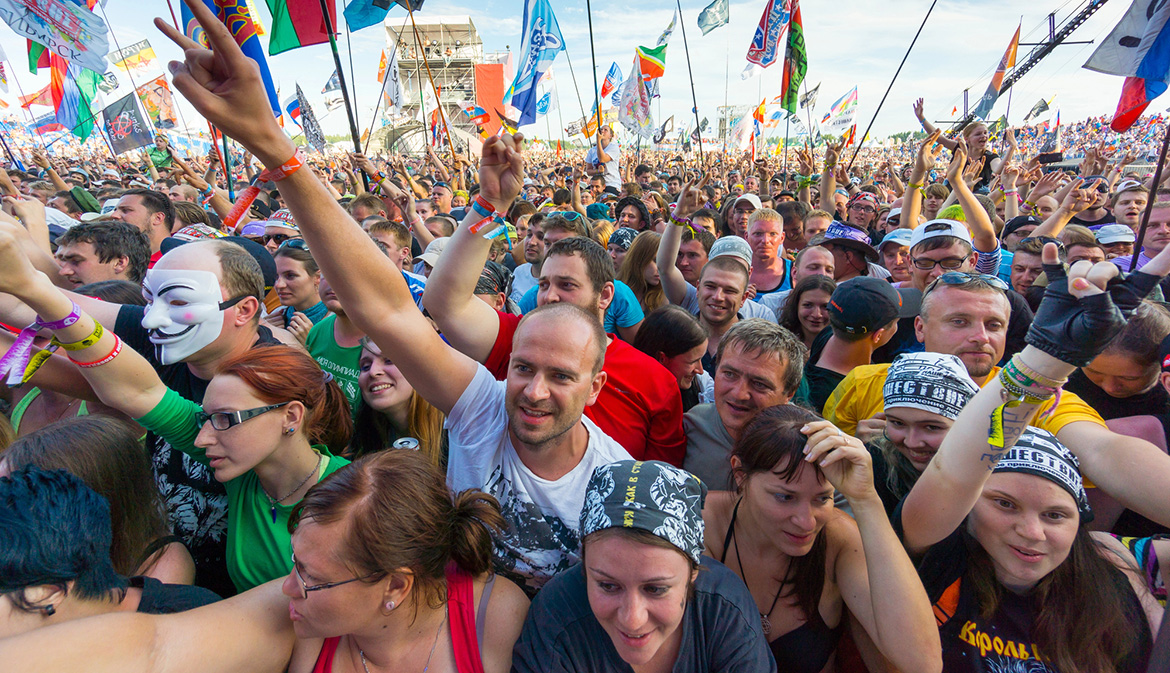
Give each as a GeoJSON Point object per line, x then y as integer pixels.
{"type": "Point", "coordinates": [897, 236]}
{"type": "Point", "coordinates": [936, 228]}
{"type": "Point", "coordinates": [865, 304]}
{"type": "Point", "coordinates": [894, 212]}
{"type": "Point", "coordinates": [1115, 233]}
{"type": "Point", "coordinates": [109, 205]}
{"type": "Point", "coordinates": [850, 237]}
{"type": "Point", "coordinates": [434, 249]}
{"type": "Point", "coordinates": [283, 219]}
{"type": "Point", "coordinates": [732, 246]}
{"type": "Point", "coordinates": [1020, 221]}
{"type": "Point", "coordinates": [750, 198]}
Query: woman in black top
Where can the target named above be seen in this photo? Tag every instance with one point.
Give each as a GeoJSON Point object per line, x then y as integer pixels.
{"type": "Point", "coordinates": [806, 563]}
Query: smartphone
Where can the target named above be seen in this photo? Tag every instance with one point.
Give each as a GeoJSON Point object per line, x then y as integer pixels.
{"type": "Point", "coordinates": [1050, 157]}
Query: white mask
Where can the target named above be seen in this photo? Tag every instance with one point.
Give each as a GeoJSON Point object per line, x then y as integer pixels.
{"type": "Point", "coordinates": [184, 312]}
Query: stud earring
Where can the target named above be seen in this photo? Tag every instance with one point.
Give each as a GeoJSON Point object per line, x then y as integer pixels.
{"type": "Point", "coordinates": [289, 431]}
{"type": "Point", "coordinates": [390, 605]}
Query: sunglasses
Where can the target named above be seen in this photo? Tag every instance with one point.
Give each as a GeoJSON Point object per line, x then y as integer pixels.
{"type": "Point", "coordinates": [279, 239]}
{"type": "Point", "coordinates": [295, 243]}
{"type": "Point", "coordinates": [570, 215]}
{"type": "Point", "coordinates": [962, 278]}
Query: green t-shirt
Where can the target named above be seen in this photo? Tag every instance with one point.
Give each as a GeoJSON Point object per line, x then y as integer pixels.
{"type": "Point", "coordinates": [160, 158]}
{"type": "Point", "coordinates": [337, 360]}
{"type": "Point", "coordinates": [258, 549]}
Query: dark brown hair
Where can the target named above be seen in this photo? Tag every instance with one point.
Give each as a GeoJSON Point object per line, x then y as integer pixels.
{"type": "Point", "coordinates": [105, 454]}
{"type": "Point", "coordinates": [398, 514]}
{"type": "Point", "coordinates": [789, 315]}
{"type": "Point", "coordinates": [772, 442]}
{"type": "Point", "coordinates": [280, 373]}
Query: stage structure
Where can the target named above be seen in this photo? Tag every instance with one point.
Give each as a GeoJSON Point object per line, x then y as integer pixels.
{"type": "Point", "coordinates": [464, 74]}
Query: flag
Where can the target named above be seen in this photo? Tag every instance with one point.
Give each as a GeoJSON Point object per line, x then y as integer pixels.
{"type": "Point", "coordinates": [542, 42]}
{"type": "Point", "coordinates": [547, 88]}
{"type": "Point", "coordinates": [108, 83]}
{"type": "Point", "coordinates": [292, 107]}
{"type": "Point", "coordinates": [38, 56]}
{"type": "Point", "coordinates": [381, 65]}
{"type": "Point", "coordinates": [313, 134]}
{"type": "Point", "coordinates": [138, 56]}
{"type": "Point", "coordinates": [613, 80]}
{"type": "Point", "coordinates": [159, 103]}
{"type": "Point", "coordinates": [842, 113]}
{"type": "Point", "coordinates": [298, 23]}
{"type": "Point", "coordinates": [714, 15]}
{"type": "Point", "coordinates": [46, 123]}
{"type": "Point", "coordinates": [69, 29]}
{"type": "Point", "coordinates": [665, 36]}
{"type": "Point", "coordinates": [3, 78]}
{"type": "Point", "coordinates": [333, 102]}
{"type": "Point", "coordinates": [667, 127]}
{"type": "Point", "coordinates": [652, 62]}
{"type": "Point", "coordinates": [392, 86]}
{"type": "Point", "coordinates": [124, 126]}
{"type": "Point", "coordinates": [1052, 142]}
{"type": "Point", "coordinates": [809, 99]}
{"type": "Point", "coordinates": [1038, 109]}
{"type": "Point", "coordinates": [365, 13]}
{"type": "Point", "coordinates": [42, 97]}
{"type": "Point", "coordinates": [334, 83]}
{"type": "Point", "coordinates": [74, 88]}
{"type": "Point", "coordinates": [999, 125]}
{"type": "Point", "coordinates": [954, 110]}
{"type": "Point", "coordinates": [763, 49]}
{"type": "Point", "coordinates": [983, 107]}
{"type": "Point", "coordinates": [697, 133]}
{"type": "Point", "coordinates": [634, 111]}
{"type": "Point", "coordinates": [795, 61]}
{"type": "Point", "coordinates": [759, 112]}
{"type": "Point", "coordinates": [235, 15]}
{"type": "Point", "coordinates": [850, 135]}
{"type": "Point", "coordinates": [1138, 49]}
{"type": "Point", "coordinates": [477, 115]}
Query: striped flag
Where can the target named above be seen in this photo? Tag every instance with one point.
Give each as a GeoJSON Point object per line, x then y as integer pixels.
{"type": "Point", "coordinates": [983, 108]}
{"type": "Point", "coordinates": [795, 61]}
{"type": "Point", "coordinates": [1137, 50]}
{"type": "Point", "coordinates": [292, 107]}
{"type": "Point", "coordinates": [613, 80]}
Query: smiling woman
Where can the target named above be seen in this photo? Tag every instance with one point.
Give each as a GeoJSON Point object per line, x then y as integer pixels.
{"type": "Point", "coordinates": [643, 596]}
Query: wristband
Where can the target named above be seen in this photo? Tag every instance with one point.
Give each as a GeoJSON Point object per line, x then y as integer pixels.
{"type": "Point", "coordinates": [17, 365]}
{"type": "Point", "coordinates": [1013, 190]}
{"type": "Point", "coordinates": [88, 341]}
{"type": "Point", "coordinates": [97, 363]}
{"type": "Point", "coordinates": [913, 185]}
{"type": "Point", "coordinates": [292, 165]}
{"type": "Point", "coordinates": [680, 221]}
{"type": "Point", "coordinates": [482, 207]}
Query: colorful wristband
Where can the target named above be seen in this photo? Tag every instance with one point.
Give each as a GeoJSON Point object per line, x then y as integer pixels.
{"type": "Point", "coordinates": [88, 341]}
{"type": "Point", "coordinates": [106, 360]}
{"type": "Point", "coordinates": [292, 165]}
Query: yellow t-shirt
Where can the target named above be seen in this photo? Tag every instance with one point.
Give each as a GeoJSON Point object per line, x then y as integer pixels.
{"type": "Point", "coordinates": [859, 396]}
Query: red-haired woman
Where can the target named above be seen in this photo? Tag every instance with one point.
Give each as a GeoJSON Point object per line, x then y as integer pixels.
{"type": "Point", "coordinates": [269, 422]}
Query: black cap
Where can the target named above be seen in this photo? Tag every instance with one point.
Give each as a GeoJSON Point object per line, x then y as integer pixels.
{"type": "Point", "coordinates": [257, 251]}
{"type": "Point", "coordinates": [1017, 222]}
{"type": "Point", "coordinates": [865, 304]}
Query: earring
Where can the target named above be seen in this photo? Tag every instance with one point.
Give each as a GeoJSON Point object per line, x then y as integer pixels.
{"type": "Point", "coordinates": [390, 605]}
{"type": "Point", "coordinates": [289, 431]}
{"type": "Point", "coordinates": [50, 610]}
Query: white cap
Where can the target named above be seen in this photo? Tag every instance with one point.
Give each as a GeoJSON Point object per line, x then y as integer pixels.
{"type": "Point", "coordinates": [433, 251]}
{"type": "Point", "coordinates": [936, 228]}
{"type": "Point", "coordinates": [1115, 233]}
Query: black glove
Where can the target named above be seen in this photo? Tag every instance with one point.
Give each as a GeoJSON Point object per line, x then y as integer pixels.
{"type": "Point", "coordinates": [1076, 330]}
{"type": "Point", "coordinates": [1128, 293]}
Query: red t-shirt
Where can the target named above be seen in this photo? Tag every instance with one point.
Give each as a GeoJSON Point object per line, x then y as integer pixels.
{"type": "Point", "coordinates": [640, 406]}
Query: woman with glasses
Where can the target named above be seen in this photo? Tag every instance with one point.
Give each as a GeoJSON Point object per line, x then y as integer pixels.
{"type": "Point", "coordinates": [297, 283]}
{"type": "Point", "coordinates": [391, 573]}
{"type": "Point", "coordinates": [269, 428]}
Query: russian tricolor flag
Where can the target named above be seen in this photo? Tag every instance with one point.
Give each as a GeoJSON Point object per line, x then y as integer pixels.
{"type": "Point", "coordinates": [292, 107]}
{"type": "Point", "coordinates": [1144, 62]}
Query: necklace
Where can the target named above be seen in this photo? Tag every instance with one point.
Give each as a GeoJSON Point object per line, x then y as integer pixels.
{"type": "Point", "coordinates": [273, 502]}
{"type": "Point", "coordinates": [764, 621]}
{"type": "Point", "coordinates": [433, 646]}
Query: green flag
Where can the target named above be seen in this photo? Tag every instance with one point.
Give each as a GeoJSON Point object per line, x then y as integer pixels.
{"type": "Point", "coordinates": [795, 61]}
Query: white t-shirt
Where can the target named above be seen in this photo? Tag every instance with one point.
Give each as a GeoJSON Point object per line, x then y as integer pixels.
{"type": "Point", "coordinates": [750, 308]}
{"type": "Point", "coordinates": [522, 281]}
{"type": "Point", "coordinates": [612, 177]}
{"type": "Point", "coordinates": [543, 517]}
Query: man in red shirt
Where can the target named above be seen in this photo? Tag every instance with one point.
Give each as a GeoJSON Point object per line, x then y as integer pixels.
{"type": "Point", "coordinates": [640, 406]}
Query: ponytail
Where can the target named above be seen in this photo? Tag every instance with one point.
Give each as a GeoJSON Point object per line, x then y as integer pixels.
{"type": "Point", "coordinates": [476, 517]}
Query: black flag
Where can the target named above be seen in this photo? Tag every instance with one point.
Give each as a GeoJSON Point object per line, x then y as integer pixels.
{"type": "Point", "coordinates": [1037, 110]}
{"type": "Point", "coordinates": [124, 125]}
{"type": "Point", "coordinates": [313, 135]}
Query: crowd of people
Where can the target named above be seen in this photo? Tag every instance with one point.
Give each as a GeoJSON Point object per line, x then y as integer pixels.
{"type": "Point", "coordinates": [587, 413]}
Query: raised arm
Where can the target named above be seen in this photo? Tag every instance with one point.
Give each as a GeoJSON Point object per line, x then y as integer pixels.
{"type": "Point", "coordinates": [982, 233]}
{"type": "Point", "coordinates": [828, 183]}
{"type": "Point", "coordinates": [41, 160]}
{"type": "Point", "coordinates": [469, 324]}
{"type": "Point", "coordinates": [1079, 197]}
{"type": "Point", "coordinates": [674, 286]}
{"type": "Point", "coordinates": [928, 153]}
{"type": "Point", "coordinates": [919, 106]}
{"type": "Point", "coordinates": [886, 596]}
{"type": "Point", "coordinates": [225, 87]}
{"type": "Point", "coordinates": [1076, 320]}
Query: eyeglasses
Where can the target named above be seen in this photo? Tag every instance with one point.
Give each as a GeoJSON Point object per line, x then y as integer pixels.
{"type": "Point", "coordinates": [295, 243]}
{"type": "Point", "coordinates": [962, 278]}
{"type": "Point", "coordinates": [862, 208]}
{"type": "Point", "coordinates": [569, 215]}
{"type": "Point", "coordinates": [950, 263]}
{"type": "Point", "coordinates": [306, 588]}
{"type": "Point", "coordinates": [224, 420]}
{"type": "Point", "coordinates": [277, 238]}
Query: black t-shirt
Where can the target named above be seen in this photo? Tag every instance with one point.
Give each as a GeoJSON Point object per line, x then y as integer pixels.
{"type": "Point", "coordinates": [164, 599]}
{"type": "Point", "coordinates": [1108, 219]}
{"type": "Point", "coordinates": [821, 384]}
{"type": "Point", "coordinates": [721, 629]}
{"type": "Point", "coordinates": [1003, 642]}
{"type": "Point", "coordinates": [196, 503]}
{"type": "Point", "coordinates": [690, 397]}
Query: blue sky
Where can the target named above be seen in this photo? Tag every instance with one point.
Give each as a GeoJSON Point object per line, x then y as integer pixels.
{"type": "Point", "coordinates": [849, 42]}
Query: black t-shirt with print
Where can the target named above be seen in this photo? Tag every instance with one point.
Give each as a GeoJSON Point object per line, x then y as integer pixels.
{"type": "Point", "coordinates": [1003, 642]}
{"type": "Point", "coordinates": [196, 503]}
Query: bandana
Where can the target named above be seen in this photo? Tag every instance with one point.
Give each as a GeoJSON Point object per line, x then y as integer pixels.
{"type": "Point", "coordinates": [492, 280]}
{"type": "Point", "coordinates": [864, 197]}
{"type": "Point", "coordinates": [1040, 453]}
{"type": "Point", "coordinates": [623, 238]}
{"type": "Point", "coordinates": [934, 382]}
{"type": "Point", "coordinates": [647, 495]}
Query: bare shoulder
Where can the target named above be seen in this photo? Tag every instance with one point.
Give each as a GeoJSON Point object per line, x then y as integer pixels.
{"type": "Point", "coordinates": [506, 609]}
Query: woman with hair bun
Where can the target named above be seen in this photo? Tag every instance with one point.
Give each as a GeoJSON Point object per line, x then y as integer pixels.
{"type": "Point", "coordinates": [392, 573]}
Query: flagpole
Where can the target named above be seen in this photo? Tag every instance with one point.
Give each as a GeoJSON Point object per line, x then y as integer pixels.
{"type": "Point", "coordinates": [31, 118]}
{"type": "Point", "coordinates": [891, 86]}
{"type": "Point", "coordinates": [439, 103]}
{"type": "Point", "coordinates": [1157, 180]}
{"type": "Point", "coordinates": [596, 92]}
{"type": "Point", "coordinates": [210, 126]}
{"type": "Point", "coordinates": [349, 114]}
{"type": "Point", "coordinates": [349, 49]}
{"type": "Point", "coordinates": [575, 89]}
{"type": "Point", "coordinates": [787, 124]}
{"type": "Point", "coordinates": [686, 48]}
{"type": "Point", "coordinates": [381, 94]}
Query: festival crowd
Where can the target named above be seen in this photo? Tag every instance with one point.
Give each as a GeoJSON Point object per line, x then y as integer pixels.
{"type": "Point", "coordinates": [902, 410]}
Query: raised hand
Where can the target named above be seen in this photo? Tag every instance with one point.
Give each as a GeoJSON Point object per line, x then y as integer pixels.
{"type": "Point", "coordinates": [1081, 196]}
{"type": "Point", "coordinates": [501, 170]}
{"type": "Point", "coordinates": [928, 152]}
{"type": "Point", "coordinates": [842, 458]}
{"type": "Point", "coordinates": [690, 198]}
{"type": "Point", "coordinates": [958, 162]}
{"type": "Point", "coordinates": [225, 87]}
{"type": "Point", "coordinates": [918, 106]}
